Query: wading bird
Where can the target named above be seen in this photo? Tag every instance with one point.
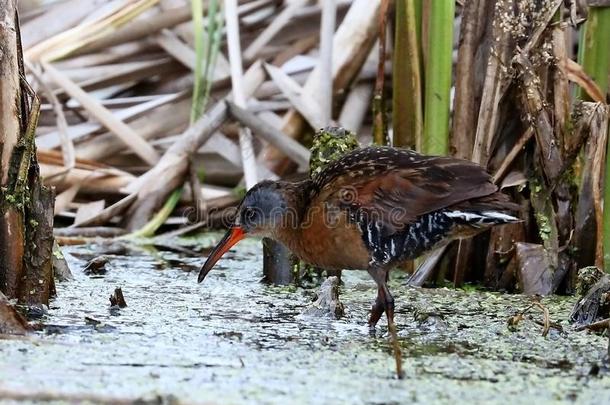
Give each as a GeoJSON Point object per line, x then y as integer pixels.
{"type": "Point", "coordinates": [373, 208]}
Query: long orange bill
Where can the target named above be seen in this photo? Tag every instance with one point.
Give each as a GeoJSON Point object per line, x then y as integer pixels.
{"type": "Point", "coordinates": [233, 235]}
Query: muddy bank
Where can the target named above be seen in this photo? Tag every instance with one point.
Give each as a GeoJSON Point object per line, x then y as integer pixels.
{"type": "Point", "coordinates": [235, 340]}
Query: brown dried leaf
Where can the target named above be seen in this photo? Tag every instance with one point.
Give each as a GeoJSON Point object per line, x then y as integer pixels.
{"type": "Point", "coordinates": [576, 74]}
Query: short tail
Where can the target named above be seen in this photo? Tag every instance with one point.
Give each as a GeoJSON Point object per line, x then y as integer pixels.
{"type": "Point", "coordinates": [483, 212]}
{"type": "Point", "coordinates": [481, 218]}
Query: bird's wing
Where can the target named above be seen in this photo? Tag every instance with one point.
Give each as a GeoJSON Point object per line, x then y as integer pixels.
{"type": "Point", "coordinates": [393, 187]}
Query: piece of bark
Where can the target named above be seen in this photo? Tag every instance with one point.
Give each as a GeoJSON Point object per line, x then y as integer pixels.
{"type": "Point", "coordinates": [534, 271]}
{"type": "Point", "coordinates": [11, 321]}
{"type": "Point", "coordinates": [38, 285]}
{"type": "Point", "coordinates": [497, 79]}
{"type": "Point", "coordinates": [550, 156]}
{"type": "Point", "coordinates": [26, 206]}
{"type": "Point", "coordinates": [11, 219]}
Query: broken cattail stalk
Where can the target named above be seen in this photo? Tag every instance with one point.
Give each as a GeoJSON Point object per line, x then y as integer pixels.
{"type": "Point", "coordinates": [356, 107]}
{"type": "Point", "coordinates": [66, 42]}
{"type": "Point", "coordinates": [306, 104]}
{"type": "Point", "coordinates": [172, 169]}
{"type": "Point", "coordinates": [467, 82]}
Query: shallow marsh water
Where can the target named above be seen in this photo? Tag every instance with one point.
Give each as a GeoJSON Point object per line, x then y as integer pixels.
{"type": "Point", "coordinates": [233, 339]}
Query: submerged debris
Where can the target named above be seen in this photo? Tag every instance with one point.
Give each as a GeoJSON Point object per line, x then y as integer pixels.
{"type": "Point", "coordinates": [587, 277]}
{"type": "Point", "coordinates": [594, 303]}
{"type": "Point", "coordinates": [61, 271]}
{"type": "Point", "coordinates": [117, 299]}
{"type": "Point", "coordinates": [327, 302]}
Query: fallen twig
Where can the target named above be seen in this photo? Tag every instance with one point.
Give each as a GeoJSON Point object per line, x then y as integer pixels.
{"type": "Point", "coordinates": [514, 320]}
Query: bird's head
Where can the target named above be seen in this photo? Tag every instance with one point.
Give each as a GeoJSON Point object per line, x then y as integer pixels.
{"type": "Point", "coordinates": [265, 209]}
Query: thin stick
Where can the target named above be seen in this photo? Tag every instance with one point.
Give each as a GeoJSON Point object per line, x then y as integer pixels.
{"type": "Point", "coordinates": [245, 137]}
{"type": "Point", "coordinates": [67, 146]}
{"type": "Point", "coordinates": [380, 135]}
{"type": "Point", "coordinates": [516, 149]}
{"type": "Point", "coordinates": [546, 321]}
{"type": "Point", "coordinates": [327, 32]}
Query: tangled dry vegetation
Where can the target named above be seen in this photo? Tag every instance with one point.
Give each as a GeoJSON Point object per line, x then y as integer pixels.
{"type": "Point", "coordinates": [118, 139]}
{"type": "Point", "coordinates": [117, 79]}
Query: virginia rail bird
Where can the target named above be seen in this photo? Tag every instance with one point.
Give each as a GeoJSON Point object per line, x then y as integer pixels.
{"type": "Point", "coordinates": [373, 208]}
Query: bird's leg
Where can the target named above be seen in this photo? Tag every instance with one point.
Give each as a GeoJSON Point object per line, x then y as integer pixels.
{"type": "Point", "coordinates": [380, 276]}
{"type": "Point", "coordinates": [377, 309]}
{"type": "Point", "coordinates": [389, 312]}
{"type": "Point", "coordinates": [379, 305]}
